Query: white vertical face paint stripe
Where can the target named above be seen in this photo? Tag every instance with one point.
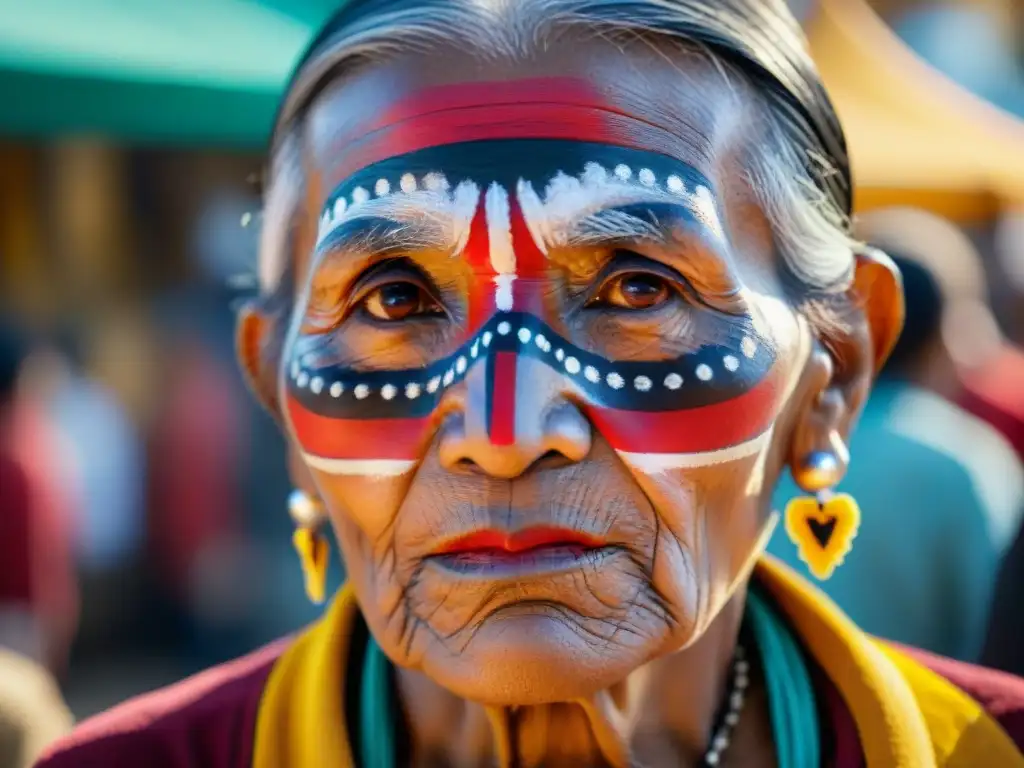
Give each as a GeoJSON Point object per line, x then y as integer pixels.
{"type": "Point", "coordinates": [464, 201]}
{"type": "Point", "coordinates": [533, 213]}
{"type": "Point", "coordinates": [499, 238]}
{"type": "Point", "coordinates": [499, 230]}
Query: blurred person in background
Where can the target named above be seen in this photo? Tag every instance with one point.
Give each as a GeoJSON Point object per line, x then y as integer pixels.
{"type": "Point", "coordinates": [957, 484]}
{"type": "Point", "coordinates": [969, 361]}
{"type": "Point", "coordinates": [38, 513]}
{"type": "Point", "coordinates": [109, 459]}
{"type": "Point", "coordinates": [37, 593]}
{"type": "Point", "coordinates": [551, 291]}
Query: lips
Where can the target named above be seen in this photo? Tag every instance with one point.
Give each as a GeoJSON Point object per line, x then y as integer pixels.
{"type": "Point", "coordinates": [531, 550]}
{"type": "Point", "coordinates": [502, 542]}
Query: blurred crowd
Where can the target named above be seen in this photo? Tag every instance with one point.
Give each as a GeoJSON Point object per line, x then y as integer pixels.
{"type": "Point", "coordinates": [143, 529]}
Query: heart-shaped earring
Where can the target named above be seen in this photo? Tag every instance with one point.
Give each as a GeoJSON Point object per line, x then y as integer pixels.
{"type": "Point", "coordinates": [822, 526]}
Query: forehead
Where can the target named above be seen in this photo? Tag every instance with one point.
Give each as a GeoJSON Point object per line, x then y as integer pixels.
{"type": "Point", "coordinates": [636, 97]}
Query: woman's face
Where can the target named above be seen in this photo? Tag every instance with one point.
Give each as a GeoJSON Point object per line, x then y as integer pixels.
{"type": "Point", "coordinates": [539, 368]}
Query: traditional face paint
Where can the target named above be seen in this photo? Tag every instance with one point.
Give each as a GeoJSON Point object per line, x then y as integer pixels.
{"type": "Point", "coordinates": [503, 206]}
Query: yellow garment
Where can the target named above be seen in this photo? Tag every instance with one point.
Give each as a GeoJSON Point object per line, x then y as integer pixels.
{"type": "Point", "coordinates": [906, 715]}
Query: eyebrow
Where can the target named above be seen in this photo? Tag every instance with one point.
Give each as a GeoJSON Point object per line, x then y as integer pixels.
{"type": "Point", "coordinates": [598, 208]}
{"type": "Point", "coordinates": [423, 219]}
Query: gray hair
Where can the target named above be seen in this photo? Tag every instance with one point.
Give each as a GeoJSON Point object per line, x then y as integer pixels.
{"type": "Point", "coordinates": [811, 228]}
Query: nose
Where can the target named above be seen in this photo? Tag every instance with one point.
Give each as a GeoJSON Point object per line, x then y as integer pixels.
{"type": "Point", "coordinates": [515, 415]}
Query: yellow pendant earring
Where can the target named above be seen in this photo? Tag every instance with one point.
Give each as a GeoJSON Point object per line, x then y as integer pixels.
{"type": "Point", "coordinates": [314, 551]}
{"type": "Point", "coordinates": [824, 524]}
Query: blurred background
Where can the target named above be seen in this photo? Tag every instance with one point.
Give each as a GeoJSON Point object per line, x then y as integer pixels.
{"type": "Point", "coordinates": [131, 139]}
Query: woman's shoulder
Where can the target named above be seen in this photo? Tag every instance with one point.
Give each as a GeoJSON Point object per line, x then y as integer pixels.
{"type": "Point", "coordinates": [999, 693]}
{"type": "Point", "coordinates": [208, 720]}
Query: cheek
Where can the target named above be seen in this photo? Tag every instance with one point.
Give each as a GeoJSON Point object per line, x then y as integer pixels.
{"type": "Point", "coordinates": [711, 529]}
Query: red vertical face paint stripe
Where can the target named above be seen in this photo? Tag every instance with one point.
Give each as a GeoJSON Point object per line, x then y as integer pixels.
{"type": "Point", "coordinates": [357, 438]}
{"type": "Point", "coordinates": [501, 400]}
{"type": "Point", "coordinates": [478, 257]}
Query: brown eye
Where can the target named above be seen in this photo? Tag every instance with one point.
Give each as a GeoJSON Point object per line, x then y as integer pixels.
{"type": "Point", "coordinates": [636, 290]}
{"type": "Point", "coordinates": [398, 301]}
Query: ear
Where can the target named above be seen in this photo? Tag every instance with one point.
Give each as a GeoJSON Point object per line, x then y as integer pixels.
{"type": "Point", "coordinates": [843, 365]}
{"type": "Point", "coordinates": [259, 341]}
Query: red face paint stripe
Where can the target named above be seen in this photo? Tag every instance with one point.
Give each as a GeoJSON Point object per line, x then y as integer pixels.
{"type": "Point", "coordinates": [695, 430]}
{"type": "Point", "coordinates": [531, 263]}
{"type": "Point", "coordinates": [557, 90]}
{"type": "Point", "coordinates": [519, 121]}
{"type": "Point", "coordinates": [478, 257]}
{"type": "Point", "coordinates": [501, 383]}
{"type": "Point", "coordinates": [332, 438]}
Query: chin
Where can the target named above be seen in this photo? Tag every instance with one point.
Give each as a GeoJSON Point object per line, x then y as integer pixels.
{"type": "Point", "coordinates": [537, 653]}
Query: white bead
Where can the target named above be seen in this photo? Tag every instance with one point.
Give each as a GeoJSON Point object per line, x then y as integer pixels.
{"type": "Point", "coordinates": [560, 355]}
{"type": "Point", "coordinates": [408, 182]}
{"type": "Point", "coordinates": [748, 347]}
{"type": "Point", "coordinates": [339, 206]}
{"type": "Point", "coordinates": [646, 177]}
{"type": "Point", "coordinates": [736, 700]}
{"type": "Point", "coordinates": [412, 390]}
{"type": "Point", "coordinates": [504, 328]}
{"type": "Point", "coordinates": [742, 667]}
{"type": "Point", "coordinates": [540, 340]}
{"type": "Point", "coordinates": [615, 381]}
{"type": "Point", "coordinates": [704, 372]}
{"type": "Point", "coordinates": [675, 184]}
{"type": "Point", "coordinates": [362, 391]}
{"type": "Point", "coordinates": [460, 365]}
{"type": "Point", "coordinates": [487, 338]}
{"type": "Point", "coordinates": [359, 195]}
{"type": "Point", "coordinates": [433, 384]}
{"type": "Point", "coordinates": [302, 380]}
{"type": "Point", "coordinates": [572, 365]}
{"type": "Point", "coordinates": [316, 385]}
{"type": "Point", "coordinates": [525, 335]}
{"type": "Point", "coordinates": [623, 172]}
{"type": "Point", "coordinates": [388, 391]}
{"type": "Point", "coordinates": [591, 374]}
{"type": "Point", "coordinates": [449, 377]}
{"type": "Point", "coordinates": [721, 743]}
{"type": "Point", "coordinates": [711, 758]}
{"type": "Point", "coordinates": [382, 187]}
{"type": "Point", "coordinates": [732, 718]}
{"type": "Point", "coordinates": [475, 349]}
{"type": "Point", "coordinates": [730, 362]}
{"type": "Point", "coordinates": [673, 381]}
{"type": "Point", "coordinates": [337, 388]}
{"type": "Point", "coordinates": [742, 681]}
{"type": "Point", "coordinates": [642, 383]}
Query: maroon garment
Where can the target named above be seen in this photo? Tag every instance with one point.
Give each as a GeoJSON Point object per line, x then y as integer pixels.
{"type": "Point", "coordinates": [209, 721]}
{"type": "Point", "coordinates": [1000, 694]}
{"type": "Point", "coordinates": [206, 721]}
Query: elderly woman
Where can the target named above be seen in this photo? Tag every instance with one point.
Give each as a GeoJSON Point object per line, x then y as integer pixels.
{"type": "Point", "coordinates": [552, 292]}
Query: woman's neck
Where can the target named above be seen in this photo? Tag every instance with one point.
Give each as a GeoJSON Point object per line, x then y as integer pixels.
{"type": "Point", "coordinates": [660, 715]}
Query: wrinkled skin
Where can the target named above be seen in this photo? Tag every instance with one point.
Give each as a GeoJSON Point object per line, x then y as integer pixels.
{"type": "Point", "coordinates": [667, 596]}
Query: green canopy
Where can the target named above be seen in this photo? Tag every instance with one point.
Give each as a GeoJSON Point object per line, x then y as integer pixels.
{"type": "Point", "coordinates": [203, 72]}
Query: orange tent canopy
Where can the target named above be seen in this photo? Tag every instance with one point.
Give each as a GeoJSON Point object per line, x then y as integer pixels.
{"type": "Point", "coordinates": [915, 137]}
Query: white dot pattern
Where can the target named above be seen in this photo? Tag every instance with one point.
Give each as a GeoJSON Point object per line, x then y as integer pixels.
{"type": "Point", "coordinates": [572, 365]}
